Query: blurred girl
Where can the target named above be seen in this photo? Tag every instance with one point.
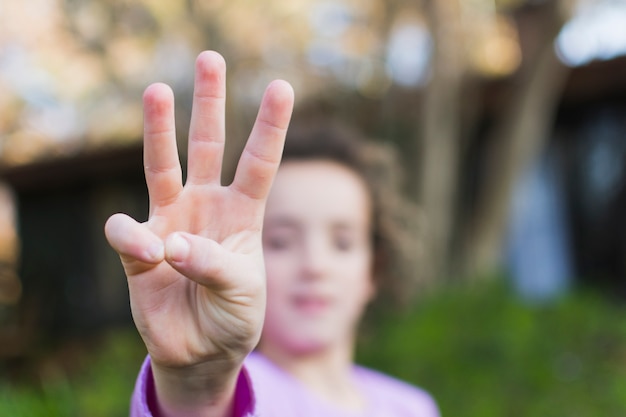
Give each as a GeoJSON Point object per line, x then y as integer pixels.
{"type": "Point", "coordinates": [197, 268]}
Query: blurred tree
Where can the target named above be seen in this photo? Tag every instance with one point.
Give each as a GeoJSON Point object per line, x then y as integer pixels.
{"type": "Point", "coordinates": [73, 83]}
{"type": "Point", "coordinates": [10, 287]}
{"type": "Point", "coordinates": [518, 136]}
{"type": "Point", "coordinates": [468, 242]}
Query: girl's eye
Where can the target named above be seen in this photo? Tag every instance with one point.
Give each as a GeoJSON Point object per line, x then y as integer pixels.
{"type": "Point", "coordinates": [343, 243]}
{"type": "Point", "coordinates": [277, 242]}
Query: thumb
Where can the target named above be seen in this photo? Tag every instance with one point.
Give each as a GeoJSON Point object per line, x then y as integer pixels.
{"type": "Point", "coordinates": [200, 259]}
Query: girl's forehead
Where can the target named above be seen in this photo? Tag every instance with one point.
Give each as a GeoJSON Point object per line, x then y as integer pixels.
{"type": "Point", "coordinates": [319, 175]}
{"type": "Point", "coordinates": [323, 166]}
{"type": "Point", "coordinates": [320, 186]}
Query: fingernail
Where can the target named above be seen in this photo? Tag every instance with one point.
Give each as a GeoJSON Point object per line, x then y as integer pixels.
{"type": "Point", "coordinates": [156, 251]}
{"type": "Point", "coordinates": [176, 248]}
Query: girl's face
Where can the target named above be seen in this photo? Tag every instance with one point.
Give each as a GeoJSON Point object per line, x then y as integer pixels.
{"type": "Point", "coordinates": [318, 257]}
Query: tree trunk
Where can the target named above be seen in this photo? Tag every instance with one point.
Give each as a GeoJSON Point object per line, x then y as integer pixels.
{"type": "Point", "coordinates": [440, 130]}
{"type": "Point", "coordinates": [516, 140]}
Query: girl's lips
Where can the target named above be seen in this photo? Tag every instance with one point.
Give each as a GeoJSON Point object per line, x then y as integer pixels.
{"type": "Point", "coordinates": [311, 304]}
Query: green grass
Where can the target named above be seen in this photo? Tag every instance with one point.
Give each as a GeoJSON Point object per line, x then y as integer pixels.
{"type": "Point", "coordinates": [484, 353]}
{"type": "Point", "coordinates": [481, 353]}
{"type": "Point", "coordinates": [99, 383]}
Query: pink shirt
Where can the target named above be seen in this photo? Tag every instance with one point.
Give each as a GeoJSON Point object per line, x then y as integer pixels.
{"type": "Point", "coordinates": [265, 390]}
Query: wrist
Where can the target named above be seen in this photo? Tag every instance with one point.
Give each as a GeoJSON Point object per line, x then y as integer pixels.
{"type": "Point", "coordinates": [206, 389]}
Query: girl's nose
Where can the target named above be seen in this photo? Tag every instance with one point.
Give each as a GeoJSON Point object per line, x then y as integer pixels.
{"type": "Point", "coordinates": [315, 257]}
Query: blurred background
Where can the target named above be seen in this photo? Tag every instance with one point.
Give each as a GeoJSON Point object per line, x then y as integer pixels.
{"type": "Point", "coordinates": [510, 120]}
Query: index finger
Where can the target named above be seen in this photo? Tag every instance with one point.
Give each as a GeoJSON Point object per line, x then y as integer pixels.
{"type": "Point", "coordinates": [261, 156]}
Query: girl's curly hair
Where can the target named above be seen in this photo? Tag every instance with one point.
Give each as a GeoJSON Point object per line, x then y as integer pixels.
{"type": "Point", "coordinates": [394, 219]}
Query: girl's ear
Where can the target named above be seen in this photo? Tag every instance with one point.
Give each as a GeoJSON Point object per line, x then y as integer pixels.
{"type": "Point", "coordinates": [380, 261]}
{"type": "Point", "coordinates": [372, 290]}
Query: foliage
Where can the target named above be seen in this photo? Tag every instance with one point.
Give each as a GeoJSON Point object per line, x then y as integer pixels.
{"type": "Point", "coordinates": [100, 388]}
{"type": "Point", "coordinates": [480, 352]}
{"type": "Point", "coordinates": [485, 353]}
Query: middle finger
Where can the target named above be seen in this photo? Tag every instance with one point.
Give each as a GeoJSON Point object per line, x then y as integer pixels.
{"type": "Point", "coordinates": [207, 129]}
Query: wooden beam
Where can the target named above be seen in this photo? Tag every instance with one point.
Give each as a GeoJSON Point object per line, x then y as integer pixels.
{"type": "Point", "coordinates": [82, 168]}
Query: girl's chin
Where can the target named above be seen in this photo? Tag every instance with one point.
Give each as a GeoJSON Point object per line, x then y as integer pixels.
{"type": "Point", "coordinates": [300, 347]}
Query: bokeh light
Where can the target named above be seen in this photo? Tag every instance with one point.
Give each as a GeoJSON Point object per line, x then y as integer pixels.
{"type": "Point", "coordinates": [596, 32]}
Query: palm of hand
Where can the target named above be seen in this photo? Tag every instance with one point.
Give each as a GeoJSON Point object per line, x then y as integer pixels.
{"type": "Point", "coordinates": [200, 295]}
{"type": "Point", "coordinates": [184, 320]}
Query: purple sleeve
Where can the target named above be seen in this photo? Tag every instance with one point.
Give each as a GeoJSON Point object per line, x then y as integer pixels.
{"type": "Point", "coordinates": [143, 401]}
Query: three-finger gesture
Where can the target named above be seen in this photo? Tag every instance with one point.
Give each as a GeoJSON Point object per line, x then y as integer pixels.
{"type": "Point", "coordinates": [195, 268]}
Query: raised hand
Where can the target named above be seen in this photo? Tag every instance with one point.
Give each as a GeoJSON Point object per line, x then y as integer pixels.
{"type": "Point", "coordinates": [195, 268]}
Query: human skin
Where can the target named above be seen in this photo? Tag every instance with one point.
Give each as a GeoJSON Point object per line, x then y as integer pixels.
{"type": "Point", "coordinates": [195, 268]}
{"type": "Point", "coordinates": [318, 256]}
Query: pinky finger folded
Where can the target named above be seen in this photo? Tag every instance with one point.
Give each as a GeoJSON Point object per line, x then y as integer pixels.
{"type": "Point", "coordinates": [133, 241]}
